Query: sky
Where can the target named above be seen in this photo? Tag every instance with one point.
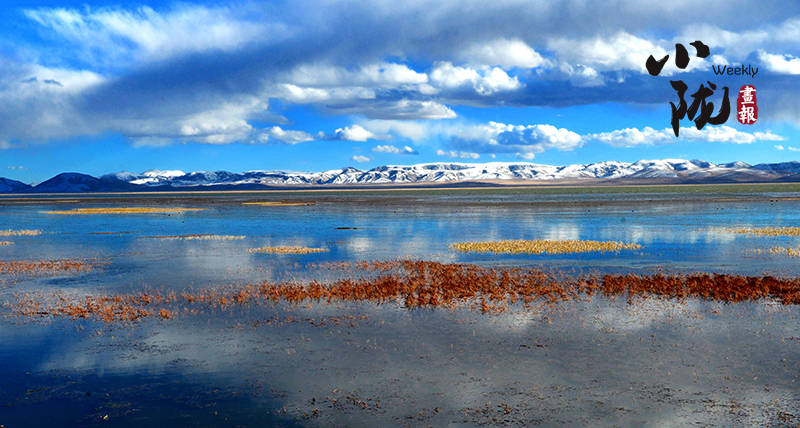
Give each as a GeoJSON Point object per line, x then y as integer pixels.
{"type": "Point", "coordinates": [309, 86]}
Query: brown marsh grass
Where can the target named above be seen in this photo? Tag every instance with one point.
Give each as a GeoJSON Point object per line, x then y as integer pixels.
{"type": "Point", "coordinates": [22, 232]}
{"type": "Point", "coordinates": [124, 210]}
{"type": "Point", "coordinates": [287, 250]}
{"type": "Point", "coordinates": [420, 284]}
{"type": "Point", "coordinates": [541, 246]}
{"type": "Point", "coordinates": [32, 267]}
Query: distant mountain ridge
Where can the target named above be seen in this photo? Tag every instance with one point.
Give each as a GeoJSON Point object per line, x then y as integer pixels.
{"type": "Point", "coordinates": [442, 173]}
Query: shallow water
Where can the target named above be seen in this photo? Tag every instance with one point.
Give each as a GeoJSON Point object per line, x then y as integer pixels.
{"type": "Point", "coordinates": [652, 362]}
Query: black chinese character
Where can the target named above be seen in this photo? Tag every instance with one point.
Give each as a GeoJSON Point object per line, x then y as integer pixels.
{"type": "Point", "coordinates": [699, 103]}
{"type": "Point", "coordinates": [681, 57]}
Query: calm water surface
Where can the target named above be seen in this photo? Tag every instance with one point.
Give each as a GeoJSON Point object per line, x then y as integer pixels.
{"type": "Point", "coordinates": [653, 362]}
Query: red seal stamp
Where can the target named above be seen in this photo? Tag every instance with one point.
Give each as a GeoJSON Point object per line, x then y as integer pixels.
{"type": "Point", "coordinates": [746, 106]}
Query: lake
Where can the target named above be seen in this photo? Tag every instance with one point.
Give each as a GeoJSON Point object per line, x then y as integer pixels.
{"type": "Point", "coordinates": [600, 360]}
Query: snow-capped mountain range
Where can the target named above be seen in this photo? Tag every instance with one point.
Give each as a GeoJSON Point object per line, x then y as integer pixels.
{"type": "Point", "coordinates": [443, 173]}
{"type": "Point", "coordinates": [453, 171]}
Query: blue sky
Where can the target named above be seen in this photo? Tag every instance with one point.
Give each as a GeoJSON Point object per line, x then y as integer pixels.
{"type": "Point", "coordinates": [100, 88]}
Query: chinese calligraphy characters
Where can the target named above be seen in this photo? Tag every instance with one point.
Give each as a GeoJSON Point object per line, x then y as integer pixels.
{"type": "Point", "coordinates": [699, 103]}
{"type": "Point", "coordinates": [746, 105]}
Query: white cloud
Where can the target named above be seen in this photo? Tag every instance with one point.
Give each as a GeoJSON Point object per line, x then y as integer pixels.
{"type": "Point", "coordinates": [768, 136]}
{"type": "Point", "coordinates": [622, 51]}
{"type": "Point", "coordinates": [457, 154]}
{"type": "Point", "coordinates": [404, 128]}
{"type": "Point", "coordinates": [205, 74]}
{"type": "Point", "coordinates": [726, 134]}
{"type": "Point", "coordinates": [484, 81]}
{"type": "Point", "coordinates": [406, 150]}
{"type": "Point", "coordinates": [581, 75]}
{"type": "Point", "coordinates": [523, 140]}
{"type": "Point", "coordinates": [632, 137]}
{"type": "Point", "coordinates": [121, 34]}
{"type": "Point", "coordinates": [360, 159]}
{"type": "Point", "coordinates": [741, 43]}
{"type": "Point", "coordinates": [354, 133]}
{"type": "Point", "coordinates": [506, 53]}
{"type": "Point", "coordinates": [385, 74]}
{"type": "Point", "coordinates": [402, 109]}
{"type": "Point", "coordinates": [306, 95]}
{"type": "Point", "coordinates": [789, 148]}
{"type": "Point", "coordinates": [779, 147]}
{"type": "Point", "coordinates": [287, 136]}
{"type": "Point", "coordinates": [59, 80]}
{"type": "Point", "coordinates": [224, 124]}
{"type": "Point", "coordinates": [785, 64]}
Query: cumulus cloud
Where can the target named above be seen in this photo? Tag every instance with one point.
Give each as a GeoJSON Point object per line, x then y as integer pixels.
{"type": "Point", "coordinates": [360, 159]}
{"type": "Point", "coordinates": [622, 51]}
{"type": "Point", "coordinates": [523, 140]}
{"type": "Point", "coordinates": [457, 154]}
{"type": "Point", "coordinates": [789, 148]}
{"type": "Point", "coordinates": [408, 129]}
{"type": "Point", "coordinates": [193, 73]}
{"type": "Point", "coordinates": [581, 75]}
{"type": "Point", "coordinates": [506, 53]}
{"type": "Point", "coordinates": [484, 80]}
{"type": "Point", "coordinates": [384, 74]}
{"type": "Point", "coordinates": [116, 34]}
{"type": "Point", "coordinates": [355, 133]}
{"type": "Point", "coordinates": [406, 150]}
{"type": "Point", "coordinates": [285, 135]}
{"type": "Point", "coordinates": [786, 64]}
{"type": "Point", "coordinates": [632, 137]}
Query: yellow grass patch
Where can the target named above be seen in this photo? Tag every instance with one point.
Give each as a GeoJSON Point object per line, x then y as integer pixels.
{"type": "Point", "coordinates": [764, 231]}
{"type": "Point", "coordinates": [199, 236]}
{"type": "Point", "coordinates": [278, 204]}
{"type": "Point", "coordinates": [541, 246]}
{"type": "Point", "coordinates": [779, 251]}
{"type": "Point", "coordinates": [23, 232]}
{"type": "Point", "coordinates": [5, 243]}
{"type": "Point", "coordinates": [128, 210]}
{"type": "Point", "coordinates": [287, 250]}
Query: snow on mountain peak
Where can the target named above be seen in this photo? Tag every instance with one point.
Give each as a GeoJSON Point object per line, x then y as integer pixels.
{"type": "Point", "coordinates": [438, 172]}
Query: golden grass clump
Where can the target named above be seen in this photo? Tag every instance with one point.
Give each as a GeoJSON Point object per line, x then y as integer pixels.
{"type": "Point", "coordinates": [764, 231]}
{"type": "Point", "coordinates": [22, 232]}
{"type": "Point", "coordinates": [779, 251]}
{"type": "Point", "coordinates": [287, 250]}
{"type": "Point", "coordinates": [541, 246]}
{"type": "Point", "coordinates": [5, 243]}
{"type": "Point", "coordinates": [124, 210]}
{"type": "Point", "coordinates": [278, 204]}
{"type": "Point", "coordinates": [199, 236]}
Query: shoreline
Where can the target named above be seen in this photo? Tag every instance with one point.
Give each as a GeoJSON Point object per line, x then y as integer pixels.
{"type": "Point", "coordinates": [564, 188]}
